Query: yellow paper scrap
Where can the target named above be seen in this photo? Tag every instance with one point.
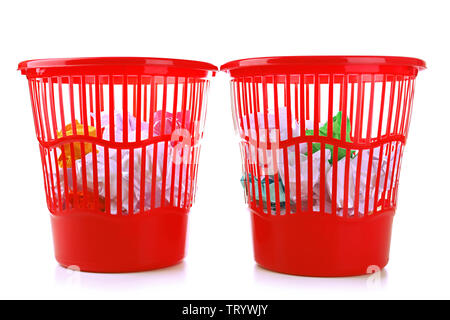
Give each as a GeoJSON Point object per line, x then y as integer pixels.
{"type": "Point", "coordinates": [76, 145]}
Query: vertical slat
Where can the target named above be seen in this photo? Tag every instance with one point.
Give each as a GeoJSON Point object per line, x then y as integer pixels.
{"type": "Point", "coordinates": [302, 105]}
{"type": "Point", "coordinates": [192, 152]}
{"type": "Point", "coordinates": [125, 140]}
{"type": "Point", "coordinates": [266, 126]}
{"type": "Point", "coordinates": [183, 126]}
{"type": "Point", "coordinates": [251, 109]}
{"type": "Point", "coordinates": [37, 100]}
{"type": "Point", "coordinates": [131, 155]}
{"type": "Point", "coordinates": [245, 145]}
{"type": "Point", "coordinates": [42, 136]}
{"type": "Point", "coordinates": [330, 107]}
{"type": "Point", "coordinates": [239, 103]}
{"type": "Point", "coordinates": [343, 138]}
{"type": "Point", "coordinates": [245, 170]}
{"type": "Point", "coordinates": [145, 116]}
{"type": "Point", "coordinates": [45, 173]}
{"type": "Point", "coordinates": [298, 180]}
{"type": "Point", "coordinates": [55, 134]}
{"type": "Point", "coordinates": [151, 82]}
{"type": "Point", "coordinates": [395, 190]}
{"type": "Point", "coordinates": [91, 104]}
{"type": "Point", "coordinates": [316, 135]}
{"type": "Point", "coordinates": [359, 111]}
{"type": "Point", "coordinates": [236, 120]}
{"type": "Point", "coordinates": [357, 139]}
{"type": "Point", "coordinates": [296, 97]}
{"type": "Point", "coordinates": [64, 134]}
{"type": "Point", "coordinates": [410, 106]}
{"type": "Point", "coordinates": [134, 100]}
{"type": "Point", "coordinates": [196, 134]}
{"type": "Point", "coordinates": [112, 138]}
{"type": "Point", "coordinates": [316, 104]}
{"type": "Point", "coordinates": [394, 165]}
{"type": "Point", "coordinates": [49, 137]}
{"type": "Point", "coordinates": [287, 94]}
{"type": "Point", "coordinates": [141, 200]}
{"type": "Point", "coordinates": [322, 153]}
{"type": "Point", "coordinates": [111, 112]}
{"type": "Point", "coordinates": [83, 109]}
{"type": "Point", "coordinates": [41, 149]}
{"type": "Point", "coordinates": [302, 133]}
{"type": "Point", "coordinates": [98, 129]}
{"type": "Point", "coordinates": [274, 150]}
{"type": "Point", "coordinates": [380, 155]}
{"type": "Point", "coordinates": [45, 109]}
{"type": "Point", "coordinates": [307, 101]}
{"type": "Point", "coordinates": [31, 88]}
{"type": "Point", "coordinates": [138, 100]}
{"type": "Point", "coordinates": [188, 149]}
{"type": "Point", "coordinates": [196, 162]}
{"type": "Point", "coordinates": [258, 105]}
{"type": "Point", "coordinates": [370, 115]}
{"type": "Point", "coordinates": [192, 108]}
{"type": "Point", "coordinates": [245, 108]}
{"type": "Point", "coordinates": [352, 107]}
{"type": "Point", "coordinates": [257, 147]}
{"type": "Point", "coordinates": [72, 151]}
{"type": "Point", "coordinates": [322, 177]}
{"type": "Point", "coordinates": [399, 105]}
{"type": "Point", "coordinates": [391, 106]}
{"type": "Point", "coordinates": [368, 140]}
{"type": "Point", "coordinates": [395, 130]}
{"type": "Point", "coordinates": [346, 182]}
{"type": "Point", "coordinates": [174, 114]}
{"type": "Point", "coordinates": [335, 148]}
{"type": "Point", "coordinates": [163, 132]}
{"type": "Point", "coordinates": [405, 108]}
{"type": "Point", "coordinates": [310, 178]}
{"type": "Point", "coordinates": [194, 148]}
{"type": "Point", "coordinates": [334, 182]}
{"type": "Point", "coordinates": [111, 124]}
{"type": "Point", "coordinates": [138, 107]}
{"type": "Point", "coordinates": [388, 133]}
{"type": "Point", "coordinates": [153, 109]}
{"type": "Point", "coordinates": [102, 104]}
{"type": "Point", "coordinates": [357, 183]}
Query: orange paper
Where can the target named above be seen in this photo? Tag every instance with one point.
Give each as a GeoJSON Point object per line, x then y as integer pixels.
{"type": "Point", "coordinates": [76, 145]}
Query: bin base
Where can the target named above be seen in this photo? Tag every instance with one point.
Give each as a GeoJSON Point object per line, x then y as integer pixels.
{"type": "Point", "coordinates": [316, 245]}
{"type": "Point", "coordinates": [94, 242]}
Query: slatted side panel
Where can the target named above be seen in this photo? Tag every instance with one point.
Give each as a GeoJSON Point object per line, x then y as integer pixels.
{"type": "Point", "coordinates": [322, 143]}
{"type": "Point", "coordinates": [119, 144]}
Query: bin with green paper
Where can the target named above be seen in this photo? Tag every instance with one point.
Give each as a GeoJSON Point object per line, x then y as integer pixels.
{"type": "Point", "coordinates": [322, 141]}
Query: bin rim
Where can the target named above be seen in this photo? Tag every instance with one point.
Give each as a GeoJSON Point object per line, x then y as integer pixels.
{"type": "Point", "coordinates": [113, 63]}
{"type": "Point", "coordinates": [331, 61]}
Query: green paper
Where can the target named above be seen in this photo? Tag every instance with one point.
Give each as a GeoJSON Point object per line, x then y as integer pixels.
{"type": "Point", "coordinates": [323, 131]}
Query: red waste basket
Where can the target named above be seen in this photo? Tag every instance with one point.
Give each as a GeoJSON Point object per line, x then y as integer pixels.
{"type": "Point", "coordinates": [119, 144]}
{"type": "Point", "coordinates": [322, 139]}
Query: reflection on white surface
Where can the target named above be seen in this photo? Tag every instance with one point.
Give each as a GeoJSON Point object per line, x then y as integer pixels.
{"type": "Point", "coordinates": [70, 277]}
{"type": "Point", "coordinates": [371, 281]}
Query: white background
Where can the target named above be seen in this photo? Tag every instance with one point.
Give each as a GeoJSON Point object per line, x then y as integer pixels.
{"type": "Point", "coordinates": [220, 262]}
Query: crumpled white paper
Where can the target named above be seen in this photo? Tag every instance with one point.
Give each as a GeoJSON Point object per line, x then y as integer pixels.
{"type": "Point", "coordinates": [125, 166]}
{"type": "Point", "coordinates": [269, 163]}
{"type": "Point", "coordinates": [250, 149]}
{"type": "Point", "coordinates": [353, 165]}
{"type": "Point", "coordinates": [316, 158]}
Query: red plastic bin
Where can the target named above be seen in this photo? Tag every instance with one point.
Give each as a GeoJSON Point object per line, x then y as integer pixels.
{"type": "Point", "coordinates": [119, 142]}
{"type": "Point", "coordinates": [322, 140]}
